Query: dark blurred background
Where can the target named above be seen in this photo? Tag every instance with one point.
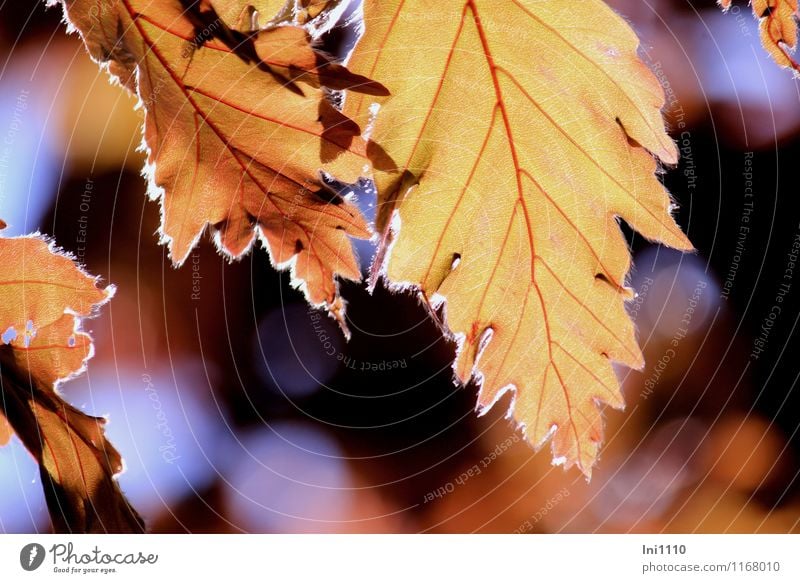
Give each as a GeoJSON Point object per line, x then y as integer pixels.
{"type": "Point", "coordinates": [238, 408]}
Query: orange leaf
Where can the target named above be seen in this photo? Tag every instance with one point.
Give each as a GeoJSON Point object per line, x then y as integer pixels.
{"type": "Point", "coordinates": [777, 27]}
{"type": "Point", "coordinates": [236, 129]}
{"type": "Point", "coordinates": [5, 430]}
{"type": "Point", "coordinates": [522, 130]}
{"type": "Point", "coordinates": [43, 296]}
{"type": "Point", "coordinates": [250, 15]}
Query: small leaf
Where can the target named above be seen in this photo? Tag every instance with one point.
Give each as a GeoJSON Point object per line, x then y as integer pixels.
{"type": "Point", "coordinates": [236, 129]}
{"type": "Point", "coordinates": [523, 129]}
{"type": "Point", "coordinates": [43, 296]}
{"type": "Point", "coordinates": [5, 430]}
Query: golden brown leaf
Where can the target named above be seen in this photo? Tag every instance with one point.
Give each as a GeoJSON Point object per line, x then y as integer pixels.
{"type": "Point", "coordinates": [777, 27]}
{"type": "Point", "coordinates": [43, 296]}
{"type": "Point", "coordinates": [251, 15]}
{"type": "Point", "coordinates": [310, 9]}
{"type": "Point", "coordinates": [236, 128]}
{"type": "Point", "coordinates": [5, 430]}
{"type": "Point", "coordinates": [522, 130]}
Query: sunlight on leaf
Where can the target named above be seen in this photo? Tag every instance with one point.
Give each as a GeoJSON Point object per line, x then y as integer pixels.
{"type": "Point", "coordinates": [515, 161]}
{"type": "Point", "coordinates": [236, 129]}
{"type": "Point", "coordinates": [777, 27]}
{"type": "Point", "coordinates": [43, 296]}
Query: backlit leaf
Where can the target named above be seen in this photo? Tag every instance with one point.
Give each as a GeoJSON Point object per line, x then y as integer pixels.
{"type": "Point", "coordinates": [777, 27]}
{"type": "Point", "coordinates": [43, 297]}
{"type": "Point", "coordinates": [236, 129]}
{"type": "Point", "coordinates": [245, 16]}
{"type": "Point", "coordinates": [5, 430]}
{"type": "Point", "coordinates": [522, 130]}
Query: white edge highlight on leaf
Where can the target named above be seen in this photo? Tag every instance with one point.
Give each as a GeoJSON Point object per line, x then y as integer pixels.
{"type": "Point", "coordinates": [109, 291]}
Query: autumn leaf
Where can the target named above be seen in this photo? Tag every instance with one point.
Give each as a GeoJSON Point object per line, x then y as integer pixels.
{"type": "Point", "coordinates": [250, 15]}
{"type": "Point", "coordinates": [5, 430]}
{"type": "Point", "coordinates": [777, 27]}
{"type": "Point", "coordinates": [236, 129]}
{"type": "Point", "coordinates": [43, 296]}
{"type": "Point", "coordinates": [522, 131]}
